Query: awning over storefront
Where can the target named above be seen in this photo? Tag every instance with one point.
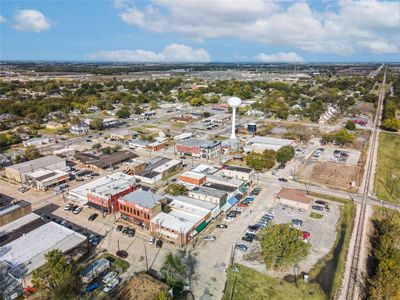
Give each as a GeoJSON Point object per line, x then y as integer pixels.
{"type": "Point", "coordinates": [201, 226]}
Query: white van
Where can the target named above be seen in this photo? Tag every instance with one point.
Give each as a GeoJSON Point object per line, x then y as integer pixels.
{"type": "Point", "coordinates": [109, 276]}
{"type": "Point", "coordinates": [111, 285]}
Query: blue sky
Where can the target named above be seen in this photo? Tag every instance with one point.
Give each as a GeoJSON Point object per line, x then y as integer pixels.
{"type": "Point", "coordinates": [200, 30]}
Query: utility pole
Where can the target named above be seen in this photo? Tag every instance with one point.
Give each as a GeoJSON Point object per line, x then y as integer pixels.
{"type": "Point", "coordinates": [145, 253]}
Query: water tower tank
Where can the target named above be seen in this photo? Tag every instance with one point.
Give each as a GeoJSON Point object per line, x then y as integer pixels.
{"type": "Point", "coordinates": [252, 127]}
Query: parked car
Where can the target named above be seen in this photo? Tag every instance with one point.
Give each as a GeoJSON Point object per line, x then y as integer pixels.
{"type": "Point", "coordinates": [109, 276]}
{"type": "Point", "coordinates": [91, 287]}
{"type": "Point", "coordinates": [64, 223]}
{"type": "Point", "coordinates": [119, 228]}
{"type": "Point", "coordinates": [125, 230]}
{"type": "Point", "coordinates": [131, 232]}
{"type": "Point", "coordinates": [93, 217]}
{"type": "Point", "coordinates": [23, 189]}
{"type": "Point", "coordinates": [94, 240]}
{"type": "Point", "coordinates": [242, 204]}
{"type": "Point", "coordinates": [306, 235]}
{"type": "Point", "coordinates": [77, 210]}
{"type": "Point", "coordinates": [151, 240]}
{"type": "Point", "coordinates": [67, 206]}
{"type": "Point", "coordinates": [210, 238]}
{"type": "Point", "coordinates": [317, 207]}
{"type": "Point", "coordinates": [122, 253]}
{"type": "Point", "coordinates": [282, 179]}
{"type": "Point", "coordinates": [111, 285]}
{"type": "Point", "coordinates": [241, 247]}
{"type": "Point", "coordinates": [248, 238]}
{"type": "Point", "coordinates": [297, 222]}
{"type": "Point", "coordinates": [222, 226]}
{"type": "Point", "coordinates": [320, 202]}
{"type": "Point", "coordinates": [228, 219]}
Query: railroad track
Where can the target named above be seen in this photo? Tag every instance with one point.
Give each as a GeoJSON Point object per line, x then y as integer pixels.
{"type": "Point", "coordinates": [352, 286]}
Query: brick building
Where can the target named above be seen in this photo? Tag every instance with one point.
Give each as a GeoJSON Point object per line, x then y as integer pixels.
{"type": "Point", "coordinates": [199, 148]}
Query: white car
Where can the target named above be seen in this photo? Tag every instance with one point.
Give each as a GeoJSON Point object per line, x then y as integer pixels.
{"type": "Point", "coordinates": [210, 238]}
{"type": "Point", "coordinates": [67, 206]}
{"type": "Point", "coordinates": [111, 285]}
{"type": "Point", "coordinates": [151, 240]}
{"type": "Point", "coordinates": [109, 276]}
{"type": "Point", "coordinates": [64, 223]}
{"type": "Point", "coordinates": [228, 219]}
{"type": "Point", "coordinates": [77, 210]}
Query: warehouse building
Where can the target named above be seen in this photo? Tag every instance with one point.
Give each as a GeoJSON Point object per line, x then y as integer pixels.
{"type": "Point", "coordinates": [260, 143]}
{"type": "Point", "coordinates": [208, 194]}
{"type": "Point", "coordinates": [158, 168]}
{"type": "Point", "coordinates": [294, 198]}
{"type": "Point", "coordinates": [17, 172]}
{"type": "Point", "coordinates": [238, 172]}
{"type": "Point", "coordinates": [193, 178]}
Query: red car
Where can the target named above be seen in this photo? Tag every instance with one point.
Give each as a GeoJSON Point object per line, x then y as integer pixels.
{"type": "Point", "coordinates": [241, 204]}
{"type": "Point", "coordinates": [306, 235]}
{"type": "Point", "coordinates": [122, 253]}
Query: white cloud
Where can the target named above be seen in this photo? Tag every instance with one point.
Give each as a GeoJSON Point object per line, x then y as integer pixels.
{"type": "Point", "coordinates": [289, 57]}
{"type": "Point", "coordinates": [171, 53]}
{"type": "Point", "coordinates": [31, 20]}
{"type": "Point", "coordinates": [2, 19]}
{"type": "Point", "coordinates": [349, 27]}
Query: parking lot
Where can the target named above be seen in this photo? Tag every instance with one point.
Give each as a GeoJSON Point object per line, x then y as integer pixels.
{"type": "Point", "coordinates": [322, 235]}
{"type": "Point", "coordinates": [329, 154]}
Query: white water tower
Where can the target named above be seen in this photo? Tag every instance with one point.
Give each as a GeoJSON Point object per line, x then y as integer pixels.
{"type": "Point", "coordinates": [234, 102]}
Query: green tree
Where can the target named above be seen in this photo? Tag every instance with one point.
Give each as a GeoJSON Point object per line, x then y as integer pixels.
{"type": "Point", "coordinates": [57, 279]}
{"type": "Point", "coordinates": [123, 112]}
{"type": "Point", "coordinates": [282, 246]}
{"type": "Point", "coordinates": [96, 124]}
{"type": "Point", "coordinates": [96, 146]}
{"type": "Point", "coordinates": [206, 114]}
{"type": "Point", "coordinates": [153, 105]}
{"type": "Point", "coordinates": [284, 154]}
{"type": "Point", "coordinates": [174, 271]}
{"type": "Point", "coordinates": [176, 189]}
{"type": "Point", "coordinates": [391, 124]}
{"type": "Point", "coordinates": [350, 126]}
{"type": "Point", "coordinates": [261, 161]}
{"type": "Point", "coordinates": [265, 129]}
{"type": "Point", "coordinates": [31, 152]}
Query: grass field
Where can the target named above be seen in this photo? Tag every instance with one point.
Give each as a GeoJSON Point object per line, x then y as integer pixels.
{"type": "Point", "coordinates": [315, 215]}
{"type": "Point", "coordinates": [328, 272]}
{"type": "Point", "coordinates": [387, 187]}
{"type": "Point", "coordinates": [251, 284]}
{"type": "Point", "coordinates": [121, 264]}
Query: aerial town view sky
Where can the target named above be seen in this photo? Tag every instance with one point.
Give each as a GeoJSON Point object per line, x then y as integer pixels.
{"type": "Point", "coordinates": [201, 31]}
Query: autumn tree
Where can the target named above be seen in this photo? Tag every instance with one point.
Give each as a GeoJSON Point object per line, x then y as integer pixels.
{"type": "Point", "coordinates": [174, 271]}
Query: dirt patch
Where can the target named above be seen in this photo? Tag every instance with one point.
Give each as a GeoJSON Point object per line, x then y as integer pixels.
{"type": "Point", "coordinates": [330, 174]}
{"type": "Point", "coordinates": [141, 287]}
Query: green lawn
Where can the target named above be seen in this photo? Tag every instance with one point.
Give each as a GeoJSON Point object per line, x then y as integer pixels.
{"type": "Point", "coordinates": [251, 284]}
{"type": "Point", "coordinates": [315, 215]}
{"type": "Point", "coordinates": [386, 186]}
{"type": "Point", "coordinates": [121, 264]}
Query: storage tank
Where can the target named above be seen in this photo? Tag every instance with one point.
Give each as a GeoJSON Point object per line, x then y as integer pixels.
{"type": "Point", "coordinates": [252, 128]}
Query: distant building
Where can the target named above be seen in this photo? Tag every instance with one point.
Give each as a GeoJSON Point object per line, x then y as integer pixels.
{"type": "Point", "coordinates": [36, 142]}
{"type": "Point", "coordinates": [238, 172]}
{"type": "Point", "coordinates": [182, 119]}
{"type": "Point", "coordinates": [138, 144]}
{"type": "Point", "coordinates": [260, 144]}
{"type": "Point", "coordinates": [157, 146]}
{"type": "Point", "coordinates": [139, 207]}
{"type": "Point", "coordinates": [183, 136]}
{"type": "Point", "coordinates": [104, 161]}
{"type": "Point", "coordinates": [199, 148]}
{"type": "Point", "coordinates": [103, 193]}
{"type": "Point", "coordinates": [44, 179]}
{"type": "Point", "coordinates": [204, 193]}
{"type": "Point", "coordinates": [122, 135]}
{"type": "Point", "coordinates": [158, 168]}
{"type": "Point", "coordinates": [294, 198]}
{"type": "Point", "coordinates": [79, 128]}
{"type": "Point", "coordinates": [220, 118]}
{"type": "Point", "coordinates": [17, 172]}
{"type": "Point", "coordinates": [54, 125]}
{"type": "Point", "coordinates": [193, 178]}
{"type": "Point", "coordinates": [330, 112]}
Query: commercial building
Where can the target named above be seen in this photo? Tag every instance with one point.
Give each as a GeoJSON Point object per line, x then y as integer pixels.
{"type": "Point", "coordinates": [182, 119]}
{"type": "Point", "coordinates": [44, 179]}
{"type": "Point", "coordinates": [138, 144]}
{"type": "Point", "coordinates": [199, 148]}
{"type": "Point", "coordinates": [122, 135]}
{"type": "Point", "coordinates": [193, 178]}
{"type": "Point", "coordinates": [260, 144]}
{"type": "Point", "coordinates": [14, 211]}
{"type": "Point", "coordinates": [95, 269]}
{"type": "Point", "coordinates": [104, 161]}
{"type": "Point", "coordinates": [158, 168]}
{"type": "Point", "coordinates": [139, 207]}
{"type": "Point", "coordinates": [64, 152]}
{"type": "Point", "coordinates": [183, 136]}
{"type": "Point", "coordinates": [220, 118]}
{"type": "Point", "coordinates": [238, 172]}
{"type": "Point", "coordinates": [17, 172]}
{"type": "Point", "coordinates": [36, 142]}
{"type": "Point", "coordinates": [208, 194]}
{"type": "Point", "coordinates": [185, 220]}
{"type": "Point", "coordinates": [104, 192]}
{"type": "Point", "coordinates": [26, 240]}
{"type": "Point", "coordinates": [157, 146]}
{"type": "Point", "coordinates": [294, 198]}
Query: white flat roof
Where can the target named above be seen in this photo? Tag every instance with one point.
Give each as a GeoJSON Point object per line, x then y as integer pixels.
{"type": "Point", "coordinates": [30, 248]}
{"type": "Point", "coordinates": [194, 175]}
{"type": "Point", "coordinates": [173, 222]}
{"type": "Point", "coordinates": [270, 141]}
{"type": "Point", "coordinates": [168, 165]}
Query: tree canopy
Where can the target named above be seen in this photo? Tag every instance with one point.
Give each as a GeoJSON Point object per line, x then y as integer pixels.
{"type": "Point", "coordinates": [174, 271]}
{"type": "Point", "coordinates": [176, 189]}
{"type": "Point", "coordinates": [261, 161]}
{"type": "Point", "coordinates": [284, 154]}
{"type": "Point", "coordinates": [282, 246]}
{"type": "Point", "coordinates": [57, 279]}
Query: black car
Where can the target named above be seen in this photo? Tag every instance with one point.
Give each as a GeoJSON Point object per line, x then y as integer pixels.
{"type": "Point", "coordinates": [248, 238]}
{"type": "Point", "coordinates": [282, 179]}
{"type": "Point", "coordinates": [231, 215]}
{"type": "Point", "coordinates": [131, 232]}
{"type": "Point", "coordinates": [93, 217]}
{"type": "Point", "coordinates": [254, 227]}
{"type": "Point", "coordinates": [222, 226]}
{"type": "Point", "coordinates": [317, 207]}
{"type": "Point", "coordinates": [320, 202]}
{"type": "Point", "coordinates": [125, 230]}
{"type": "Point", "coordinates": [119, 228]}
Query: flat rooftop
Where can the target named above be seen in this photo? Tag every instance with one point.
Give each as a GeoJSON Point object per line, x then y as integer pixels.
{"type": "Point", "coordinates": [30, 248]}
{"type": "Point", "coordinates": [203, 190]}
{"type": "Point", "coordinates": [13, 207]}
{"type": "Point", "coordinates": [271, 141]}
{"type": "Point", "coordinates": [142, 198]}
{"type": "Point", "coordinates": [193, 175]}
{"type": "Point", "coordinates": [221, 187]}
{"type": "Point", "coordinates": [38, 163]}
{"type": "Point", "coordinates": [198, 143]}
{"type": "Point", "coordinates": [239, 169]}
